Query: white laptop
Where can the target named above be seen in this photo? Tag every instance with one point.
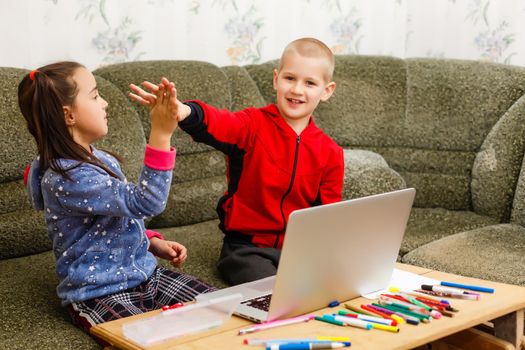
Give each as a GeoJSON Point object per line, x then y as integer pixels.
{"type": "Point", "coordinates": [332, 252]}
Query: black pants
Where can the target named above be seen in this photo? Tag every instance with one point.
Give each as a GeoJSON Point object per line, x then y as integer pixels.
{"type": "Point", "coordinates": [241, 261]}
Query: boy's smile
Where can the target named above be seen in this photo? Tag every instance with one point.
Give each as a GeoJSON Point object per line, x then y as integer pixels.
{"type": "Point", "coordinates": [300, 85]}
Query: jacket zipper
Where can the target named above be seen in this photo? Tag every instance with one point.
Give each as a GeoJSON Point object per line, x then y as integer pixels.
{"type": "Point", "coordinates": [297, 142]}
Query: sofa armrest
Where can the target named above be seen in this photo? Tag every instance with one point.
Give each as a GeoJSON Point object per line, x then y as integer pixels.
{"type": "Point", "coordinates": [368, 173]}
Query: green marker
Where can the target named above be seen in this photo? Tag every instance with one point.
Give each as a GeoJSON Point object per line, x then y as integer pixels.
{"type": "Point", "coordinates": [329, 319]}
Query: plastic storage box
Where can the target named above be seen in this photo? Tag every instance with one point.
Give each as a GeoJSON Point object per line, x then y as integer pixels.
{"type": "Point", "coordinates": [202, 315]}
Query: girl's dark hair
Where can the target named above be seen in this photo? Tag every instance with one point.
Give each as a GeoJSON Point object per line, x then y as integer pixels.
{"type": "Point", "coordinates": [42, 94]}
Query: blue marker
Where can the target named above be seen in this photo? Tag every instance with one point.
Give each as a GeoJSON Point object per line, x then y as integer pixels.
{"type": "Point", "coordinates": [466, 286]}
{"type": "Point", "coordinates": [308, 346]}
{"type": "Point", "coordinates": [268, 342]}
{"type": "Point", "coordinates": [333, 303]}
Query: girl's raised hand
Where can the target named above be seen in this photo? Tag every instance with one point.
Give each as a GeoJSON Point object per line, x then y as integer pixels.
{"type": "Point", "coordinates": [164, 110]}
{"type": "Point", "coordinates": [150, 98]}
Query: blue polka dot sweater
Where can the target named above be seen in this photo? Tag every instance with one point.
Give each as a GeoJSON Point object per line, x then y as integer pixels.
{"type": "Point", "coordinates": [96, 222]}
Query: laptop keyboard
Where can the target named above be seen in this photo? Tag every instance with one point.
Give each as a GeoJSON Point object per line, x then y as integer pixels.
{"type": "Point", "coordinates": [261, 303]}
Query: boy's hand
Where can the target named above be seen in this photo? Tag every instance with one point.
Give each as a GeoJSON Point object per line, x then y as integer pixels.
{"type": "Point", "coordinates": [163, 103]}
{"type": "Point", "coordinates": [175, 252]}
{"type": "Point", "coordinates": [149, 99]}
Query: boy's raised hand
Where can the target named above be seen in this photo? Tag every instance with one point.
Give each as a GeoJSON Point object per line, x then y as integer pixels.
{"type": "Point", "coordinates": [150, 99]}
{"type": "Point", "coordinates": [165, 110]}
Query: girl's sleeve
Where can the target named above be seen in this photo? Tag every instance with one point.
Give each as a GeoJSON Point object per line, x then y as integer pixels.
{"type": "Point", "coordinates": [150, 234]}
{"type": "Point", "coordinates": [92, 191]}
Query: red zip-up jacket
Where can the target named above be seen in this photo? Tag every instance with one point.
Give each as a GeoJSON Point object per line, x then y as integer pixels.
{"type": "Point", "coordinates": [271, 171]}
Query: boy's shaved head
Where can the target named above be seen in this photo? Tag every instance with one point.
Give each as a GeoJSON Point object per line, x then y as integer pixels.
{"type": "Point", "coordinates": [311, 47]}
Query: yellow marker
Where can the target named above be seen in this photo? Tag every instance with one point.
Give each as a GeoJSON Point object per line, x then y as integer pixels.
{"type": "Point", "coordinates": [394, 289]}
{"type": "Point", "coordinates": [333, 338]}
{"type": "Point", "coordinates": [399, 320]}
{"type": "Point", "coordinates": [384, 327]}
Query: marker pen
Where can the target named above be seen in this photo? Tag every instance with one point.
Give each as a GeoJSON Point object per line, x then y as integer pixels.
{"type": "Point", "coordinates": [450, 295]}
{"type": "Point", "coordinates": [367, 318]}
{"type": "Point", "coordinates": [308, 346]}
{"type": "Point", "coordinates": [392, 314]}
{"type": "Point", "coordinates": [269, 341]}
{"type": "Point", "coordinates": [354, 322]}
{"type": "Point", "coordinates": [277, 323]}
{"type": "Point", "coordinates": [466, 286]}
{"type": "Point", "coordinates": [442, 289]}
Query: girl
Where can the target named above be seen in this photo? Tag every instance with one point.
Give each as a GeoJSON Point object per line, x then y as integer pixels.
{"type": "Point", "coordinates": [104, 256]}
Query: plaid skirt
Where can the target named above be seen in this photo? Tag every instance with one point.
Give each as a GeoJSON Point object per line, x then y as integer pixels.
{"type": "Point", "coordinates": [163, 287]}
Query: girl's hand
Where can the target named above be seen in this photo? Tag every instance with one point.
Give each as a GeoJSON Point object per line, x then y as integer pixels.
{"type": "Point", "coordinates": [149, 99]}
{"type": "Point", "coordinates": [165, 110]}
{"type": "Point", "coordinates": [175, 252]}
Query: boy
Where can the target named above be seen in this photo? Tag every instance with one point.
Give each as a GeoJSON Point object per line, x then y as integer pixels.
{"type": "Point", "coordinates": [278, 160]}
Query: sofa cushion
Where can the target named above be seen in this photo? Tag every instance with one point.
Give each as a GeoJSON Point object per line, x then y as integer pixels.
{"type": "Point", "coordinates": [367, 173]}
{"type": "Point", "coordinates": [244, 91]}
{"type": "Point", "coordinates": [442, 178]}
{"type": "Point", "coordinates": [369, 102]}
{"type": "Point", "coordinates": [493, 253]}
{"type": "Point", "coordinates": [518, 205]}
{"type": "Point", "coordinates": [204, 242]}
{"type": "Point", "coordinates": [452, 105]}
{"type": "Point", "coordinates": [262, 75]}
{"type": "Point", "coordinates": [428, 224]}
{"type": "Point", "coordinates": [16, 152]}
{"type": "Point", "coordinates": [31, 314]}
{"type": "Point", "coordinates": [197, 166]}
{"type": "Point", "coordinates": [498, 165]}
{"type": "Point", "coordinates": [191, 202]}
{"type": "Point", "coordinates": [22, 230]}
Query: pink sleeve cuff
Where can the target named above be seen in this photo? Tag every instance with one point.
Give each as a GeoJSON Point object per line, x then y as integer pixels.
{"type": "Point", "coordinates": [26, 174]}
{"type": "Point", "coordinates": [158, 159]}
{"type": "Point", "coordinates": [150, 234]}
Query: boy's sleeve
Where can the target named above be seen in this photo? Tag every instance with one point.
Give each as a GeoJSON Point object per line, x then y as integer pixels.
{"type": "Point", "coordinates": [332, 183]}
{"type": "Point", "coordinates": [219, 128]}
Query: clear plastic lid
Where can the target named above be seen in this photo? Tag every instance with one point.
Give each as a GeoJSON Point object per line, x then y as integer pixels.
{"type": "Point", "coordinates": [203, 315]}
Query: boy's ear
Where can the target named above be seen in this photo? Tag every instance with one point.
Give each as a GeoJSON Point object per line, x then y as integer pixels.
{"type": "Point", "coordinates": [275, 75]}
{"type": "Point", "coordinates": [69, 118]}
{"type": "Point", "coordinates": [328, 91]}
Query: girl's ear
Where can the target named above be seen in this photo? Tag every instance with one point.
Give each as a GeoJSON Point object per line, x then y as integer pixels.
{"type": "Point", "coordinates": [275, 75]}
{"type": "Point", "coordinates": [68, 116]}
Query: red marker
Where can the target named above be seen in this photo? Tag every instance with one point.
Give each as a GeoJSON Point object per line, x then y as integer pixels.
{"type": "Point", "coordinates": [174, 306]}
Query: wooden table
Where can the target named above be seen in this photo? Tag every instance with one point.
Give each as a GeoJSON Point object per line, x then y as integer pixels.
{"type": "Point", "coordinates": [504, 308]}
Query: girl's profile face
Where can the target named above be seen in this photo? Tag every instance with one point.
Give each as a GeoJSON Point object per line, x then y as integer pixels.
{"type": "Point", "coordinates": [87, 117]}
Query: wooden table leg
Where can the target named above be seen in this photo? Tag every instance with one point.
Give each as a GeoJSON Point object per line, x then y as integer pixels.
{"type": "Point", "coordinates": [510, 328]}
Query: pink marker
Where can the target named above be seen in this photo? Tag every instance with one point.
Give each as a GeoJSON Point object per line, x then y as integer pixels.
{"type": "Point", "coordinates": [278, 323]}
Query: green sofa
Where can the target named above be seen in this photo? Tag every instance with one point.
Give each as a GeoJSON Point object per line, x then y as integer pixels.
{"type": "Point", "coordinates": [454, 130]}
